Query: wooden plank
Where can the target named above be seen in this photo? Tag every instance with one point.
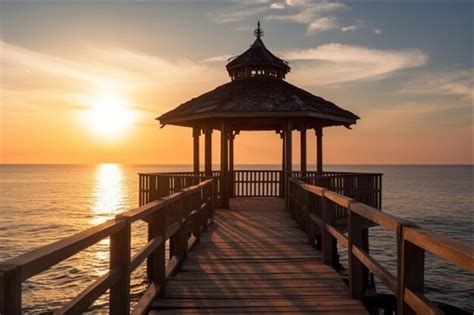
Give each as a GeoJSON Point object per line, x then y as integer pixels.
{"type": "Point", "coordinates": [253, 259]}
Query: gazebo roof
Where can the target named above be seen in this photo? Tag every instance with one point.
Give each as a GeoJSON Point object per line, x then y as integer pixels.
{"type": "Point", "coordinates": [258, 98]}
{"type": "Point", "coordinates": [258, 54]}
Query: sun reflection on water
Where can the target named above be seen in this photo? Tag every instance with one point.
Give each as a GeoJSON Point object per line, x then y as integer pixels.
{"type": "Point", "coordinates": [108, 193]}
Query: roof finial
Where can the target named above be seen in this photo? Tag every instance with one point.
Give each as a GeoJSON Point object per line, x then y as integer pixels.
{"type": "Point", "coordinates": [258, 32]}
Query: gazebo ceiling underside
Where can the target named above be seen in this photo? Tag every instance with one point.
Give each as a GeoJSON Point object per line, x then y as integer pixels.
{"type": "Point", "coordinates": [258, 103]}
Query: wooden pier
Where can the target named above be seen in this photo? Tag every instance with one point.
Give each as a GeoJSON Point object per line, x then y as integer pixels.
{"type": "Point", "coordinates": [255, 259]}
{"type": "Point", "coordinates": [264, 254]}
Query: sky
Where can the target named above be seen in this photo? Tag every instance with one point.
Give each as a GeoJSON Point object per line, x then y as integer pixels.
{"type": "Point", "coordinates": [82, 81]}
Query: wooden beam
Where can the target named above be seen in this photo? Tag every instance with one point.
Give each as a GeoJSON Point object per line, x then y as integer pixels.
{"type": "Point", "coordinates": [196, 134]}
{"type": "Point", "coordinates": [303, 162]}
{"type": "Point", "coordinates": [224, 166]}
{"type": "Point", "coordinates": [319, 150]}
{"type": "Point", "coordinates": [208, 151]}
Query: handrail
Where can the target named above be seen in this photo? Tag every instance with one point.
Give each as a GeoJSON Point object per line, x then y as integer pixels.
{"type": "Point", "coordinates": [412, 243]}
{"type": "Point", "coordinates": [179, 217]}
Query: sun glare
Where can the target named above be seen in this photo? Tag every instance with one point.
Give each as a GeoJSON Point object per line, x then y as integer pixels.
{"type": "Point", "coordinates": [110, 115]}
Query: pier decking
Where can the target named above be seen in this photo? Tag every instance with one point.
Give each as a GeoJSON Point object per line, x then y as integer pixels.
{"type": "Point", "coordinates": [255, 259]}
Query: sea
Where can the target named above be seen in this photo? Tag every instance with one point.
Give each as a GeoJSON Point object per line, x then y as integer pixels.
{"type": "Point", "coordinates": [40, 204]}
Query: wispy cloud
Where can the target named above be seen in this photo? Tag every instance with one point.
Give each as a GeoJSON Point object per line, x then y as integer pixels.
{"type": "Point", "coordinates": [218, 58]}
{"type": "Point", "coordinates": [309, 13]}
{"type": "Point", "coordinates": [350, 28]}
{"type": "Point", "coordinates": [457, 82]}
{"type": "Point", "coordinates": [238, 13]}
{"type": "Point", "coordinates": [322, 24]}
{"type": "Point", "coordinates": [48, 76]}
{"type": "Point", "coordinates": [335, 63]}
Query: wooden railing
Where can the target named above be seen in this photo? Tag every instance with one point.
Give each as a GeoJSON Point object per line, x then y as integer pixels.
{"type": "Point", "coordinates": [313, 209]}
{"type": "Point", "coordinates": [364, 187]}
{"type": "Point", "coordinates": [179, 217]}
{"type": "Point", "coordinates": [153, 186]}
{"type": "Point", "coordinates": [257, 183]}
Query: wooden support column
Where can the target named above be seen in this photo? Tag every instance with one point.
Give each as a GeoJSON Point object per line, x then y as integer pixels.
{"type": "Point", "coordinates": [282, 182]}
{"type": "Point", "coordinates": [303, 164]}
{"type": "Point", "coordinates": [224, 167]}
{"type": "Point", "coordinates": [208, 151]}
{"type": "Point", "coordinates": [231, 162]}
{"type": "Point", "coordinates": [288, 158]}
{"type": "Point", "coordinates": [411, 271]}
{"type": "Point", "coordinates": [196, 134]}
{"type": "Point", "coordinates": [357, 271]}
{"type": "Point", "coordinates": [10, 290]}
{"type": "Point", "coordinates": [319, 150]}
{"type": "Point", "coordinates": [119, 294]}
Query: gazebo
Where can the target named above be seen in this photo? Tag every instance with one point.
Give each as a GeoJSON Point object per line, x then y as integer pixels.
{"type": "Point", "coordinates": [256, 98]}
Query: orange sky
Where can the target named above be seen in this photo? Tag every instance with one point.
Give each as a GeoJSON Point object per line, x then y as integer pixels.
{"type": "Point", "coordinates": [92, 96]}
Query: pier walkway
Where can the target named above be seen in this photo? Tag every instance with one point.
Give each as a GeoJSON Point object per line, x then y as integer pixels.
{"type": "Point", "coordinates": [255, 259]}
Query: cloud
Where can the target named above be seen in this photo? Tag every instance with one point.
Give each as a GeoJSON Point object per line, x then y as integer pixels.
{"type": "Point", "coordinates": [335, 63]}
{"type": "Point", "coordinates": [30, 77]}
{"type": "Point", "coordinates": [322, 24]}
{"type": "Point", "coordinates": [218, 58]}
{"type": "Point", "coordinates": [237, 13]}
{"type": "Point", "coordinates": [458, 82]}
{"type": "Point", "coordinates": [306, 13]}
{"type": "Point", "coordinates": [310, 13]}
{"type": "Point", "coordinates": [350, 28]}
{"type": "Point", "coordinates": [277, 6]}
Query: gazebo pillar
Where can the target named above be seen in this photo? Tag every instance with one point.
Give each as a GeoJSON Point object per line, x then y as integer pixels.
{"type": "Point", "coordinates": [196, 134]}
{"type": "Point", "coordinates": [282, 186]}
{"type": "Point", "coordinates": [208, 151]}
{"type": "Point", "coordinates": [303, 165]}
{"type": "Point", "coordinates": [288, 158]}
{"type": "Point", "coordinates": [224, 167]}
{"type": "Point", "coordinates": [231, 162]}
{"type": "Point", "coordinates": [319, 150]}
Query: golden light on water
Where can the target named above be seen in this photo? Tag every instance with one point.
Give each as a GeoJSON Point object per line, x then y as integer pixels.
{"type": "Point", "coordinates": [110, 115]}
{"type": "Point", "coordinates": [108, 192]}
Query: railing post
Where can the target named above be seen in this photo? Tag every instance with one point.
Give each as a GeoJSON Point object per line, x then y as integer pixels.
{"type": "Point", "coordinates": [357, 271]}
{"type": "Point", "coordinates": [312, 226]}
{"type": "Point", "coordinates": [215, 196]}
{"type": "Point", "coordinates": [156, 262]}
{"type": "Point", "coordinates": [177, 241]}
{"type": "Point", "coordinates": [329, 243]}
{"type": "Point", "coordinates": [119, 301]}
{"type": "Point", "coordinates": [10, 290]}
{"type": "Point", "coordinates": [197, 218]}
{"type": "Point", "coordinates": [411, 269]}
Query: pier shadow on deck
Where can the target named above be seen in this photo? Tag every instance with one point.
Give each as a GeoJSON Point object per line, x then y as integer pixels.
{"type": "Point", "coordinates": [255, 259]}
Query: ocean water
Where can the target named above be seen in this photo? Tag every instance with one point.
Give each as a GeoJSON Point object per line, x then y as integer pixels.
{"type": "Point", "coordinates": [44, 203]}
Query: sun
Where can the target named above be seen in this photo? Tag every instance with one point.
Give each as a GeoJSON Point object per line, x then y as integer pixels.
{"type": "Point", "coordinates": [110, 115]}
